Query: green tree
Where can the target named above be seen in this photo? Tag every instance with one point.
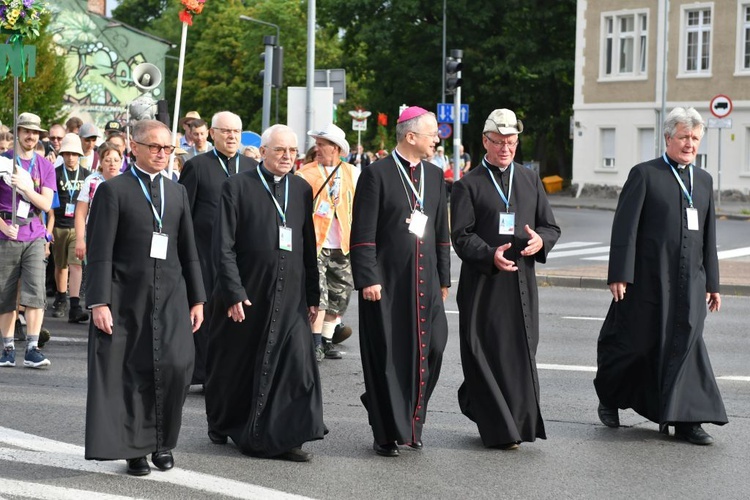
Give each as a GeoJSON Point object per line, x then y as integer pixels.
{"type": "Point", "coordinates": [518, 54]}
{"type": "Point", "coordinates": [42, 94]}
{"type": "Point", "coordinates": [140, 13]}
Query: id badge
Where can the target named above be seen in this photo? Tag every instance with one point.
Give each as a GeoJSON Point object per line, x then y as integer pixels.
{"type": "Point", "coordinates": [417, 223]}
{"type": "Point", "coordinates": [324, 209]}
{"type": "Point", "coordinates": [285, 238]}
{"type": "Point", "coordinates": [24, 207]}
{"type": "Point", "coordinates": [692, 218]}
{"type": "Point", "coordinates": [159, 243]}
{"type": "Point", "coordinates": [70, 210]}
{"type": "Point", "coordinates": [507, 223]}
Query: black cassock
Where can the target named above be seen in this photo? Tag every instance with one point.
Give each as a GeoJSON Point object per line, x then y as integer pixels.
{"type": "Point", "coordinates": [139, 376]}
{"type": "Point", "coordinates": [403, 335]}
{"type": "Point", "coordinates": [263, 388]}
{"type": "Point", "coordinates": [202, 177]}
{"type": "Point", "coordinates": [499, 311]}
{"type": "Point", "coordinates": [651, 355]}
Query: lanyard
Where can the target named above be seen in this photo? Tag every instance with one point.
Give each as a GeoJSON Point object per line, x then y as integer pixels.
{"type": "Point", "coordinates": [31, 163]}
{"type": "Point", "coordinates": [688, 195]}
{"type": "Point", "coordinates": [282, 213]}
{"type": "Point", "coordinates": [332, 190]}
{"type": "Point", "coordinates": [417, 194]}
{"type": "Point", "coordinates": [236, 163]}
{"type": "Point", "coordinates": [71, 192]}
{"type": "Point", "coordinates": [158, 218]}
{"type": "Point", "coordinates": [497, 186]}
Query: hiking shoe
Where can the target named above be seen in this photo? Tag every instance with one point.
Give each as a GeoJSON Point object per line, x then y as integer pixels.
{"type": "Point", "coordinates": [59, 307]}
{"type": "Point", "coordinates": [319, 353]}
{"type": "Point", "coordinates": [35, 359]}
{"type": "Point", "coordinates": [77, 315]}
{"type": "Point", "coordinates": [8, 357]}
{"type": "Point", "coordinates": [329, 351]}
{"type": "Point", "coordinates": [44, 337]}
{"type": "Point", "coordinates": [20, 330]}
{"type": "Point", "coordinates": [341, 333]}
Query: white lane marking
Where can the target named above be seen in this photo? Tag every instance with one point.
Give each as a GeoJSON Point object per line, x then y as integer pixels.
{"type": "Point", "coordinates": [451, 312]}
{"type": "Point", "coordinates": [55, 338]}
{"type": "Point", "coordinates": [48, 492]}
{"type": "Point", "coordinates": [603, 258]}
{"type": "Point", "coordinates": [734, 378]}
{"type": "Point", "coordinates": [38, 450]}
{"type": "Point", "coordinates": [566, 368]}
{"type": "Point", "coordinates": [575, 244]}
{"type": "Point", "coordinates": [737, 252]}
{"type": "Point", "coordinates": [583, 318]}
{"type": "Point", "coordinates": [573, 253]}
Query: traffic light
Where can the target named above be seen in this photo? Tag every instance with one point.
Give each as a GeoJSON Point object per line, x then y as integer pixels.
{"type": "Point", "coordinates": [453, 67]}
{"type": "Point", "coordinates": [277, 67]}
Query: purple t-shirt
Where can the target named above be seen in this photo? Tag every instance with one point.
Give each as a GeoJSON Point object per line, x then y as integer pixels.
{"type": "Point", "coordinates": [43, 175]}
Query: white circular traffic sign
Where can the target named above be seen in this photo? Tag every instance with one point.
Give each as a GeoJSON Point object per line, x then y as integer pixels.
{"type": "Point", "coordinates": [721, 106]}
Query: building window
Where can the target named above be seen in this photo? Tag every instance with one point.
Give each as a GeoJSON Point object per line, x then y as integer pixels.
{"type": "Point", "coordinates": [608, 148]}
{"type": "Point", "coordinates": [624, 45]}
{"type": "Point", "coordinates": [646, 144]}
{"type": "Point", "coordinates": [697, 40]}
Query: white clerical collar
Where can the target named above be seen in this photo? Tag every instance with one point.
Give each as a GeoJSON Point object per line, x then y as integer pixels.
{"type": "Point", "coordinates": [405, 158]}
{"type": "Point", "coordinates": [152, 176]}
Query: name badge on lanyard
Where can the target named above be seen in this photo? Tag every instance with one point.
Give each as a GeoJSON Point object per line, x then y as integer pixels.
{"type": "Point", "coordinates": [507, 223]}
{"type": "Point", "coordinates": [691, 212]}
{"type": "Point", "coordinates": [159, 244]}
{"type": "Point", "coordinates": [285, 238]}
{"type": "Point", "coordinates": [417, 223]}
{"type": "Point", "coordinates": [324, 209]}
{"type": "Point", "coordinates": [24, 207]}
{"type": "Point", "coordinates": [285, 233]}
{"type": "Point", "coordinates": [507, 219]}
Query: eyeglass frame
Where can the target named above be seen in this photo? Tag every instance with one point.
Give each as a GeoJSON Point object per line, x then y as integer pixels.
{"type": "Point", "coordinates": [279, 151]}
{"type": "Point", "coordinates": [227, 131]}
{"type": "Point", "coordinates": [501, 144]}
{"type": "Point", "coordinates": [168, 150]}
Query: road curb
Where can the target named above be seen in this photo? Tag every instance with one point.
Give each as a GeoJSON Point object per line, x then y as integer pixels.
{"type": "Point", "coordinates": [601, 283]}
{"type": "Point", "coordinates": [596, 206]}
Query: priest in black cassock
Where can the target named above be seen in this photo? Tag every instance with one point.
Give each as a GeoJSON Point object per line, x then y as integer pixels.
{"type": "Point", "coordinates": [663, 275]}
{"type": "Point", "coordinates": [400, 252]}
{"type": "Point", "coordinates": [263, 387]}
{"type": "Point", "coordinates": [501, 226]}
{"type": "Point", "coordinates": [145, 290]}
{"type": "Point", "coordinates": [202, 177]}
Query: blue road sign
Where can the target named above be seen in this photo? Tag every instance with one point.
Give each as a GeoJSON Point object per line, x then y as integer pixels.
{"type": "Point", "coordinates": [445, 113]}
{"type": "Point", "coordinates": [445, 130]}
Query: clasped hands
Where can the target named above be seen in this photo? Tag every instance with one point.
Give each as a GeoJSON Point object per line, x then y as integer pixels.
{"type": "Point", "coordinates": [532, 247]}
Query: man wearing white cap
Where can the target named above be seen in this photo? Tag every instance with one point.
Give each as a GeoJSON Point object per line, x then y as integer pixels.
{"type": "Point", "coordinates": [70, 178]}
{"type": "Point", "coordinates": [333, 182]}
{"type": "Point", "coordinates": [400, 252]}
{"type": "Point", "coordinates": [22, 242]}
{"type": "Point", "coordinates": [501, 225]}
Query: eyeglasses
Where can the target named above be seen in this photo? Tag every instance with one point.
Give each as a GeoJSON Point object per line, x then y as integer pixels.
{"type": "Point", "coordinates": [155, 148]}
{"type": "Point", "coordinates": [55, 138]}
{"type": "Point", "coordinates": [281, 151]}
{"type": "Point", "coordinates": [502, 144]}
{"type": "Point", "coordinates": [431, 134]}
{"type": "Point", "coordinates": [228, 131]}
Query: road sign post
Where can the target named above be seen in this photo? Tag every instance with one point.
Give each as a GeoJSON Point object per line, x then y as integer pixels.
{"type": "Point", "coordinates": [720, 106]}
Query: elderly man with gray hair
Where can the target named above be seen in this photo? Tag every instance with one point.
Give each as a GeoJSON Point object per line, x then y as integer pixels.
{"type": "Point", "coordinates": [663, 276]}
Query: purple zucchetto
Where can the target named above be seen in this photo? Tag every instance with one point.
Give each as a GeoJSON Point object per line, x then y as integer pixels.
{"type": "Point", "coordinates": [411, 112]}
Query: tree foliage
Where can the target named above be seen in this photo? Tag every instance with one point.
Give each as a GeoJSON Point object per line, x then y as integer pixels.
{"type": "Point", "coordinates": [42, 94]}
{"type": "Point", "coordinates": [139, 13]}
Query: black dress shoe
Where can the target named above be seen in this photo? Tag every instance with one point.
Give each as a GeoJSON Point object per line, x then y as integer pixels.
{"type": "Point", "coordinates": [216, 438]}
{"type": "Point", "coordinates": [163, 460]}
{"type": "Point", "coordinates": [138, 467]}
{"type": "Point", "coordinates": [417, 445]}
{"type": "Point", "coordinates": [295, 455]}
{"type": "Point", "coordinates": [609, 416]}
{"type": "Point", "coordinates": [386, 450]}
{"type": "Point", "coordinates": [693, 433]}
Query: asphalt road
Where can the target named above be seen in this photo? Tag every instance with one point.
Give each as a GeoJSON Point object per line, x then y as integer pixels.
{"type": "Point", "coordinates": [42, 431]}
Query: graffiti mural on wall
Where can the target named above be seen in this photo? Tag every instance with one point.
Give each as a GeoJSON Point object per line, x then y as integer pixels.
{"type": "Point", "coordinates": [101, 83]}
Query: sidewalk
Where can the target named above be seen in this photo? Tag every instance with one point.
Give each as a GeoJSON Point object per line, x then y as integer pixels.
{"type": "Point", "coordinates": [735, 274]}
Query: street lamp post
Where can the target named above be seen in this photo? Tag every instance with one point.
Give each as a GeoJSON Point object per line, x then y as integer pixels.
{"type": "Point", "coordinates": [278, 43]}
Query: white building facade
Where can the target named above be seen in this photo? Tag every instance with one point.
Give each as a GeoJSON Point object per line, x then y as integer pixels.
{"type": "Point", "coordinates": [628, 74]}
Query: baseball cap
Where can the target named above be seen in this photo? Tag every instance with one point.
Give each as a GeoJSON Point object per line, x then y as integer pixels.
{"type": "Point", "coordinates": [504, 122]}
